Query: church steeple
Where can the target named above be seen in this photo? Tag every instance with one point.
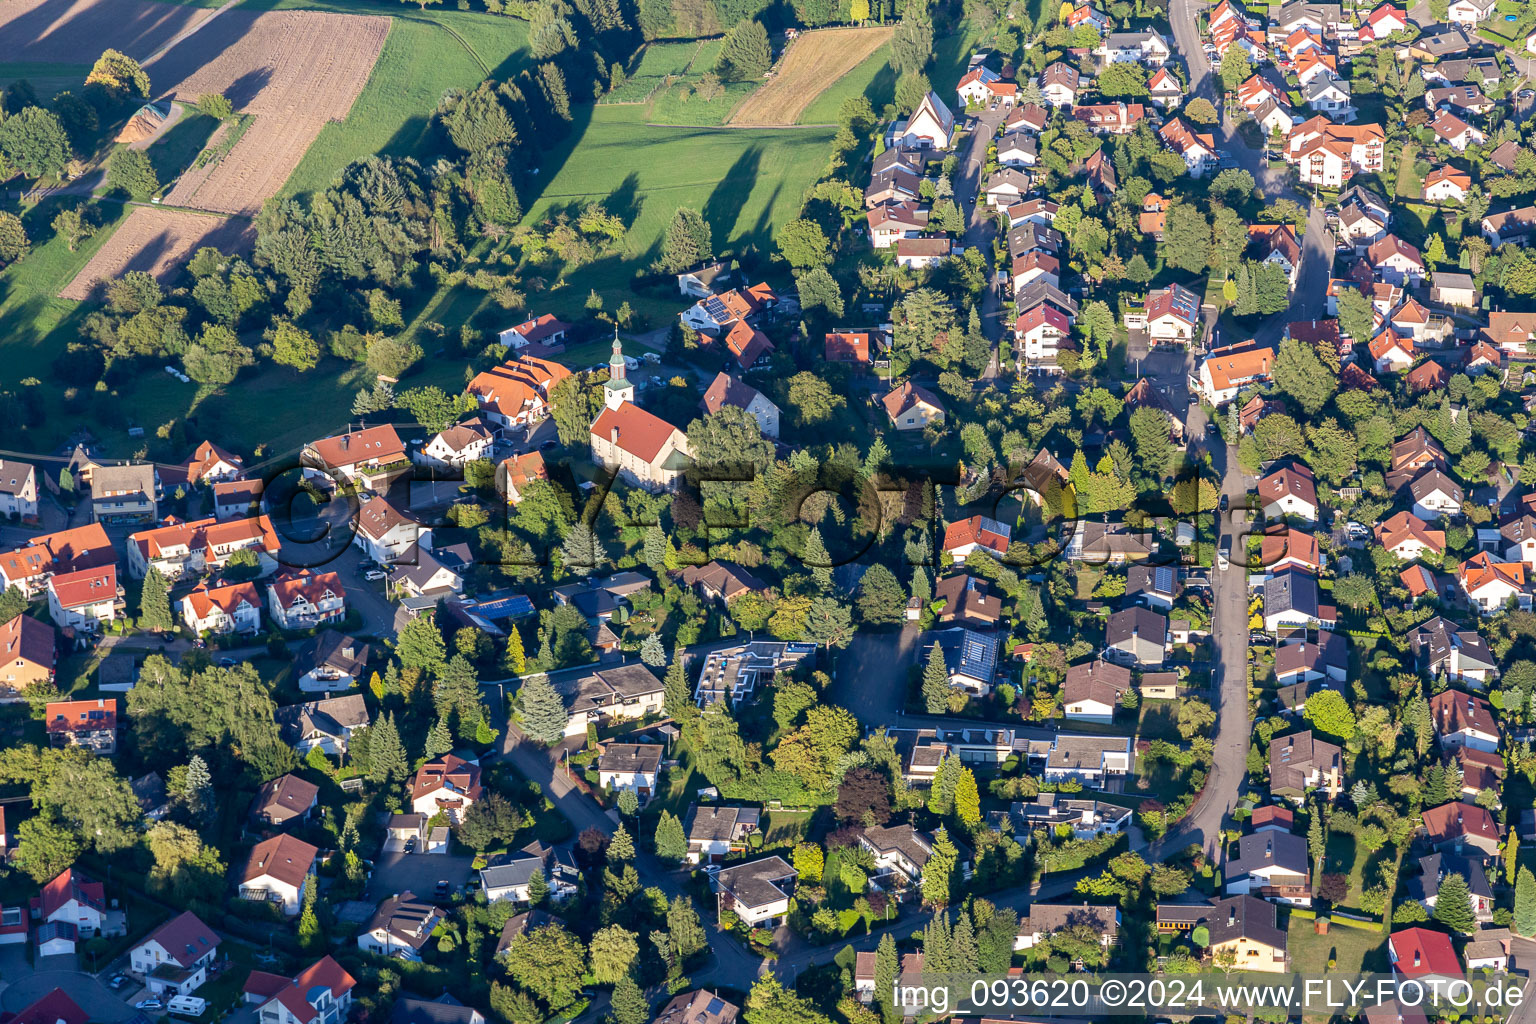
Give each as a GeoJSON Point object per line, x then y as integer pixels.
{"type": "Point", "coordinates": [618, 390]}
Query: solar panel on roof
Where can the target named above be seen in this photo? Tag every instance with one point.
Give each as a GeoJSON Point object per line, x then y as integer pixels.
{"type": "Point", "coordinates": [715, 1006]}
{"type": "Point", "coordinates": [1163, 576]}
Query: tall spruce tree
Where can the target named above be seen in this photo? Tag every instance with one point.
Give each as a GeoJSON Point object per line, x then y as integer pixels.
{"type": "Point", "coordinates": [155, 602]}
{"type": "Point", "coordinates": [387, 759]}
{"type": "Point", "coordinates": [1453, 904]}
{"type": "Point", "coordinates": [887, 967]}
{"type": "Point", "coordinates": [671, 842]}
{"type": "Point", "coordinates": [936, 686]}
{"type": "Point", "coordinates": [544, 714]}
{"type": "Point", "coordinates": [817, 559]}
{"type": "Point", "coordinates": [1525, 903]}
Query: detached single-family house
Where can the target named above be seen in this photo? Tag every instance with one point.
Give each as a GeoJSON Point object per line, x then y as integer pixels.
{"type": "Point", "coordinates": [758, 891]}
{"type": "Point", "coordinates": [1244, 928]}
{"type": "Point", "coordinates": [277, 871]}
{"type": "Point", "coordinates": [91, 724]}
{"type": "Point", "coordinates": [1447, 185]}
{"type": "Point", "coordinates": [1273, 866]}
{"type": "Point", "coordinates": [456, 446]}
{"type": "Point", "coordinates": [371, 458]}
{"type": "Point", "coordinates": [1136, 636]}
{"type": "Point", "coordinates": [449, 784]}
{"type": "Point", "coordinates": [319, 994]}
{"type": "Point", "coordinates": [221, 610]}
{"type": "Point", "coordinates": [1441, 647]}
{"type": "Point", "coordinates": [1092, 691]}
{"type": "Point", "coordinates": [1462, 827]}
{"type": "Point", "coordinates": [85, 600]}
{"type": "Point", "coordinates": [1042, 920]}
{"type": "Point", "coordinates": [1289, 491]}
{"type": "Point", "coordinates": [1424, 888]}
{"type": "Point", "coordinates": [1292, 600]}
{"type": "Point", "coordinates": [330, 661]}
{"type": "Point", "coordinates": [631, 766]}
{"type": "Point", "coordinates": [714, 831]}
{"type": "Point", "coordinates": [285, 799]}
{"type": "Point", "coordinates": [1463, 720]}
{"type": "Point", "coordinates": [970, 658]}
{"type": "Point", "coordinates": [901, 852]}
{"type": "Point", "coordinates": [327, 724]}
{"type": "Point", "coordinates": [1490, 585]}
{"type": "Point", "coordinates": [305, 599]}
{"type": "Point", "coordinates": [400, 927]}
{"type": "Point", "coordinates": [976, 533]}
{"type": "Point", "coordinates": [543, 330]}
{"type": "Point", "coordinates": [1300, 763]}
{"type": "Point", "coordinates": [912, 407]}
{"type": "Point", "coordinates": [175, 958]}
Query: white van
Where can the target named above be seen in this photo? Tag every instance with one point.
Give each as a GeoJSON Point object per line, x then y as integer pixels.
{"type": "Point", "coordinates": [186, 1006]}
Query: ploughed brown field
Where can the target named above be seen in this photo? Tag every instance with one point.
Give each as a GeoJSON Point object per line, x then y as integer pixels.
{"type": "Point", "coordinates": [292, 70]}
{"type": "Point", "coordinates": [814, 61]}
{"type": "Point", "coordinates": [76, 31]}
{"type": "Point", "coordinates": [159, 242]}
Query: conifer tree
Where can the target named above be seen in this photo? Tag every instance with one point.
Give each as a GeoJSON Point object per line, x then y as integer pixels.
{"type": "Point", "coordinates": [967, 798]}
{"type": "Point", "coordinates": [816, 558]}
{"type": "Point", "coordinates": [1525, 903]}
{"type": "Point", "coordinates": [515, 661]}
{"type": "Point", "coordinates": [671, 842]}
{"type": "Point", "coordinates": [439, 740]}
{"type": "Point", "coordinates": [387, 760]}
{"type": "Point", "coordinates": [652, 652]}
{"type": "Point", "coordinates": [936, 686]}
{"type": "Point", "coordinates": [544, 715]}
{"type": "Point", "coordinates": [622, 848]}
{"type": "Point", "coordinates": [155, 602]}
{"type": "Point", "coordinates": [628, 1005]}
{"type": "Point", "coordinates": [887, 967]}
{"type": "Point", "coordinates": [967, 954]}
{"type": "Point", "coordinates": [684, 930]}
{"type": "Point", "coordinates": [1453, 904]}
{"type": "Point", "coordinates": [677, 696]}
{"type": "Point", "coordinates": [937, 875]}
{"type": "Point", "coordinates": [310, 938]}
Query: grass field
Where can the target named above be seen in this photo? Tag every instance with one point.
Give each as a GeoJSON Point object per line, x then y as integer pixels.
{"type": "Point", "coordinates": [658, 62]}
{"type": "Point", "coordinates": [425, 55]}
{"type": "Point", "coordinates": [1353, 949]}
{"type": "Point", "coordinates": [746, 183]}
{"type": "Point", "coordinates": [34, 322]}
{"type": "Point", "coordinates": [680, 106]}
{"type": "Point", "coordinates": [46, 79]}
{"type": "Point", "coordinates": [873, 78]}
{"type": "Point", "coordinates": [814, 61]}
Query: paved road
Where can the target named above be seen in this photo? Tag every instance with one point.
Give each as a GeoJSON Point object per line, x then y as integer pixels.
{"type": "Point", "coordinates": [981, 224]}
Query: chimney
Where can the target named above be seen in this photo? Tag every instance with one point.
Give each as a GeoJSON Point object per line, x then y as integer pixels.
{"type": "Point", "coordinates": [613, 435]}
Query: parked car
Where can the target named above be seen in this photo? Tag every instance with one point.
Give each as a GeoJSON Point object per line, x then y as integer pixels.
{"type": "Point", "coordinates": [442, 890]}
{"type": "Point", "coordinates": [374, 575]}
{"type": "Point", "coordinates": [410, 845]}
{"type": "Point", "coordinates": [549, 445]}
{"type": "Point", "coordinates": [148, 1004]}
{"type": "Point", "coordinates": [226, 663]}
{"type": "Point", "coordinates": [117, 982]}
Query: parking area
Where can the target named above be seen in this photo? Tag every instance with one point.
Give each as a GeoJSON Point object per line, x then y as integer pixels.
{"type": "Point", "coordinates": [417, 872]}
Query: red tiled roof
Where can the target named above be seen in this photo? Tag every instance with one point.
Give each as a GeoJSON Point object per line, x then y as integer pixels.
{"type": "Point", "coordinates": [228, 598]}
{"type": "Point", "coordinates": [70, 716]}
{"type": "Point", "coordinates": [1456, 820]}
{"type": "Point", "coordinates": [536, 330]}
{"type": "Point", "coordinates": [54, 1008]}
{"type": "Point", "coordinates": [433, 775]}
{"type": "Point", "coordinates": [88, 586]}
{"type": "Point", "coordinates": [205, 535]}
{"type": "Point", "coordinates": [634, 430]}
{"type": "Point", "coordinates": [852, 347]}
{"type": "Point", "coordinates": [27, 639]}
{"type": "Point", "coordinates": [976, 530]}
{"type": "Point", "coordinates": [282, 857]}
{"type": "Point", "coordinates": [67, 885]}
{"type": "Point", "coordinates": [185, 938]}
{"type": "Point", "coordinates": [1421, 951]}
{"type": "Point", "coordinates": [372, 444]}
{"type": "Point", "coordinates": [205, 457]}
{"type": "Point", "coordinates": [313, 587]}
{"type": "Point", "coordinates": [516, 384]}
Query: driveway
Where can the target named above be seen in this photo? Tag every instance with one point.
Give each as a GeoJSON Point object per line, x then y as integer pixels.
{"type": "Point", "coordinates": [980, 224]}
{"type": "Point", "coordinates": [419, 873]}
{"type": "Point", "coordinates": [94, 998]}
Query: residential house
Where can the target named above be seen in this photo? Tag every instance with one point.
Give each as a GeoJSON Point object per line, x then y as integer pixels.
{"type": "Point", "coordinates": [319, 994]}
{"type": "Point", "coordinates": [923, 253]}
{"type": "Point", "coordinates": [181, 550]}
{"type": "Point", "coordinates": [54, 1008]}
{"type": "Point", "coordinates": [1424, 888]}
{"type": "Point", "coordinates": [517, 472]}
{"type": "Point", "coordinates": [1136, 636]}
{"type": "Point", "coordinates": [1470, 13]}
{"type": "Point", "coordinates": [1467, 98]}
{"type": "Point", "coordinates": [1039, 921]}
{"type": "Point", "coordinates": [1146, 46]}
{"type": "Point", "coordinates": [1165, 89]}
{"type": "Point", "coordinates": [757, 891]}
{"type": "Point", "coordinates": [456, 446]}
{"type": "Point", "coordinates": [176, 957]}
{"type": "Point", "coordinates": [1434, 495]}
{"type": "Point", "coordinates": [125, 494]}
{"type": "Point", "coordinates": [1514, 333]}
{"type": "Point", "coordinates": [71, 907]}
{"type": "Point", "coordinates": [327, 724]}
{"type": "Point", "coordinates": [510, 877]}
{"type": "Point", "coordinates": [1226, 371]}
{"type": "Point", "coordinates": [1009, 186]}
{"type": "Point", "coordinates": [912, 407]}
{"type": "Point", "coordinates": [221, 610]}
{"type": "Point", "coordinates": [517, 392]}
{"type": "Point", "coordinates": [91, 724]}
{"type": "Point", "coordinates": [1243, 931]}
{"type": "Point", "coordinates": [27, 654]}
{"type": "Point", "coordinates": [1198, 149]}
{"type": "Point", "coordinates": [1273, 866]}
{"type": "Point", "coordinates": [976, 533]}
{"type": "Point", "coordinates": [543, 330]}
{"type": "Point", "coordinates": [1089, 760]}
{"type": "Point", "coordinates": [1087, 818]}
{"type": "Point", "coordinates": [1303, 663]}
{"type": "Point", "coordinates": [448, 784]}
{"type": "Point", "coordinates": [400, 927]}
{"type": "Point", "coordinates": [1172, 315]}
{"type": "Point", "coordinates": [1460, 291]}
{"type": "Point", "coordinates": [853, 348]}
{"type": "Point", "coordinates": [237, 499]}
{"type": "Point", "coordinates": [1490, 585]}
{"type": "Point", "coordinates": [889, 187]}
{"type": "Point", "coordinates": [1441, 647]}
{"type": "Point", "coordinates": [1409, 537]}
{"type": "Point", "coordinates": [18, 490]}
{"type": "Point", "coordinates": [701, 1006]}
{"type": "Point", "coordinates": [85, 600]}
{"type": "Point", "coordinates": [1462, 827]}
{"type": "Point", "coordinates": [1289, 491]}
{"type": "Point", "coordinates": [1395, 261]}
{"type": "Point", "coordinates": [736, 673]}
{"type": "Point", "coordinates": [1109, 543]}
{"type": "Point", "coordinates": [720, 582]}
{"type": "Point", "coordinates": [1511, 227]}
{"type": "Point", "coordinates": [700, 283]}
{"type": "Point", "coordinates": [982, 85]}
{"type": "Point", "coordinates": [383, 533]}
{"type": "Point", "coordinates": [1455, 132]}
{"type": "Point", "coordinates": [1111, 118]}
{"type": "Point", "coordinates": [1462, 720]}
{"type": "Point", "coordinates": [1292, 600]}
{"type": "Point", "coordinates": [1016, 150]}
{"type": "Point", "coordinates": [970, 658]}
{"type": "Point", "coordinates": [1300, 763]}
{"type": "Point", "coordinates": [968, 601]}
{"type": "Point", "coordinates": [891, 222]}
{"type": "Point", "coordinates": [631, 766]}
{"type": "Point", "coordinates": [305, 599]}
{"type": "Point", "coordinates": [330, 661]}
{"type": "Point", "coordinates": [371, 458]}
{"type": "Point", "coordinates": [1285, 547]}
{"type": "Point", "coordinates": [1363, 215]}
{"type": "Point", "coordinates": [277, 871]}
{"type": "Point", "coordinates": [727, 390]}
{"type": "Point", "coordinates": [901, 852]}
{"type": "Point", "coordinates": [1093, 690]}
{"type": "Point", "coordinates": [284, 800]}
{"type": "Point", "coordinates": [1328, 154]}
{"type": "Point", "coordinates": [714, 831]}
{"type": "Point", "coordinates": [1040, 333]}
{"type": "Point", "coordinates": [1059, 84]}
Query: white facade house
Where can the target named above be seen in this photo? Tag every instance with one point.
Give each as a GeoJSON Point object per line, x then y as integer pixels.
{"type": "Point", "coordinates": [234, 608]}
{"type": "Point", "coordinates": [757, 891]}
{"type": "Point", "coordinates": [456, 446]}
{"type": "Point", "coordinates": [383, 532]}
{"type": "Point", "coordinates": [277, 871]}
{"type": "Point", "coordinates": [86, 599]}
{"type": "Point", "coordinates": [18, 490]}
{"type": "Point", "coordinates": [175, 958]}
{"type": "Point", "coordinates": [930, 126]}
{"type": "Point", "coordinates": [304, 599]}
{"type": "Point", "coordinates": [631, 766]}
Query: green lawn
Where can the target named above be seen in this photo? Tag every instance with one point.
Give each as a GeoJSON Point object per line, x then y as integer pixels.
{"type": "Point", "coordinates": [426, 54]}
{"type": "Point", "coordinates": [746, 183]}
{"type": "Point", "coordinates": [1354, 950]}
{"type": "Point", "coordinates": [873, 79]}
{"type": "Point", "coordinates": [34, 322]}
{"type": "Point", "coordinates": [46, 79]}
{"type": "Point", "coordinates": [680, 106]}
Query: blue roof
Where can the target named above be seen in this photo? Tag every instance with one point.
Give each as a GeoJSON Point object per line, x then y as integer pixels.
{"type": "Point", "coordinates": [504, 606]}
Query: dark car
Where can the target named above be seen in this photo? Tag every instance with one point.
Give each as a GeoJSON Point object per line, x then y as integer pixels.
{"type": "Point", "coordinates": [549, 445]}
{"type": "Point", "coordinates": [1222, 504]}
{"type": "Point", "coordinates": [226, 663]}
{"type": "Point", "coordinates": [442, 890]}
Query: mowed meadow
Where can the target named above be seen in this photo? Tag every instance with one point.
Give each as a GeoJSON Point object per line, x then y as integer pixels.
{"type": "Point", "coordinates": [746, 183]}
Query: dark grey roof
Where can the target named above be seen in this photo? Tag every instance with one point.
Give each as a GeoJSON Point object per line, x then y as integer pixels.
{"type": "Point", "coordinates": [706, 824]}
{"type": "Point", "coordinates": [1284, 850]}
{"type": "Point", "coordinates": [630, 757]}
{"type": "Point", "coordinates": [758, 883]}
{"type": "Point", "coordinates": [1436, 866]}
{"type": "Point", "coordinates": [968, 653]}
{"type": "Point", "coordinates": [1136, 625]}
{"type": "Point", "coordinates": [1291, 591]}
{"type": "Point", "coordinates": [332, 650]}
{"type": "Point", "coordinates": [1432, 643]}
{"type": "Point", "coordinates": [443, 1010]}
